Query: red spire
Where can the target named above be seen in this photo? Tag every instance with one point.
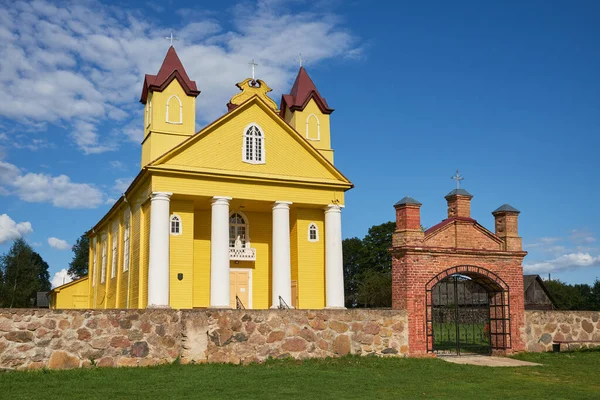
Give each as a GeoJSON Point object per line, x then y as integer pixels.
{"type": "Point", "coordinates": [170, 69]}
{"type": "Point", "coordinates": [302, 91]}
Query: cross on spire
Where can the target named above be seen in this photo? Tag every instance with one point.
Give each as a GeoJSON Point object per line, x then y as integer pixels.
{"type": "Point", "coordinates": [457, 178]}
{"type": "Point", "coordinates": [171, 38]}
{"type": "Point", "coordinates": [253, 64]}
{"type": "Point", "coordinates": [299, 59]}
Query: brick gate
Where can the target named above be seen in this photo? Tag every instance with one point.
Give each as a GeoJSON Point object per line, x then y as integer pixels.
{"type": "Point", "coordinates": [458, 245]}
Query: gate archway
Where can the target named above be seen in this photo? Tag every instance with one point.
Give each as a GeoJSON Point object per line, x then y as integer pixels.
{"type": "Point", "coordinates": [467, 312]}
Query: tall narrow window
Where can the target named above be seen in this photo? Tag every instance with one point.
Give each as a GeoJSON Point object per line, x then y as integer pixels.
{"type": "Point", "coordinates": [174, 110]}
{"type": "Point", "coordinates": [94, 268]}
{"type": "Point", "coordinates": [126, 249]}
{"type": "Point", "coordinates": [313, 128]}
{"type": "Point", "coordinates": [113, 261]}
{"type": "Point", "coordinates": [238, 231]}
{"type": "Point", "coordinates": [313, 233]}
{"type": "Point", "coordinates": [103, 272]}
{"type": "Point", "coordinates": [253, 149]}
{"type": "Point", "coordinates": [175, 225]}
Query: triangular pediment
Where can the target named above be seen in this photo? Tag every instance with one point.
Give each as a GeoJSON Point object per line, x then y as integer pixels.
{"type": "Point", "coordinates": [462, 233]}
{"type": "Point", "coordinates": [218, 149]}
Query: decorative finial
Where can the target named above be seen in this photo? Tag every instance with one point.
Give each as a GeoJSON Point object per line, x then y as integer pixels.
{"type": "Point", "coordinates": [299, 59]}
{"type": "Point", "coordinates": [253, 64]}
{"type": "Point", "coordinates": [457, 178]}
{"type": "Point", "coordinates": [171, 37]}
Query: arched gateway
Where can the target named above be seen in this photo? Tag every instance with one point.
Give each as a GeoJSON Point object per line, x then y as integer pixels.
{"type": "Point", "coordinates": [461, 285]}
{"type": "Point", "coordinates": [467, 312]}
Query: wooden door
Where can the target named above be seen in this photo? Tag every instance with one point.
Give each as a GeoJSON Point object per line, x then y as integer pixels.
{"type": "Point", "coordinates": [239, 285]}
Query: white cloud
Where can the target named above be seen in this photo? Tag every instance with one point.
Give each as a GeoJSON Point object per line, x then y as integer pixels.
{"type": "Point", "coordinates": [564, 262]}
{"type": "Point", "coordinates": [117, 165]}
{"type": "Point", "coordinates": [122, 184]}
{"type": "Point", "coordinates": [10, 230]}
{"type": "Point", "coordinates": [58, 244]}
{"type": "Point", "coordinates": [60, 278]}
{"type": "Point", "coordinates": [59, 68]}
{"type": "Point", "coordinates": [43, 188]}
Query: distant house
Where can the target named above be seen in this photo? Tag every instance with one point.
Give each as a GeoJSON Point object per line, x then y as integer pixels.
{"type": "Point", "coordinates": [537, 296]}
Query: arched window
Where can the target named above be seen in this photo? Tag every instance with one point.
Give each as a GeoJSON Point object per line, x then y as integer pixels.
{"type": "Point", "coordinates": [174, 110]}
{"type": "Point", "coordinates": [313, 232]}
{"type": "Point", "coordinates": [148, 114]}
{"type": "Point", "coordinates": [313, 128]}
{"type": "Point", "coordinates": [104, 250]}
{"type": "Point", "coordinates": [114, 251]}
{"type": "Point", "coordinates": [253, 150]}
{"type": "Point", "coordinates": [238, 231]}
{"type": "Point", "coordinates": [94, 263]}
{"type": "Point", "coordinates": [126, 248]}
{"type": "Point", "coordinates": [175, 225]}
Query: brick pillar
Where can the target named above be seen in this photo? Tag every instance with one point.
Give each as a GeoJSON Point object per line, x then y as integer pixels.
{"type": "Point", "coordinates": [459, 203]}
{"type": "Point", "coordinates": [408, 223]}
{"type": "Point", "coordinates": [507, 227]}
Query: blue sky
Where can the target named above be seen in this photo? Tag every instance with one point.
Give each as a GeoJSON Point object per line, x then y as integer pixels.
{"type": "Point", "coordinates": [509, 93]}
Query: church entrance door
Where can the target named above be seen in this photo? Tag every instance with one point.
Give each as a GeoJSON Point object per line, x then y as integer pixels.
{"type": "Point", "coordinates": [239, 291]}
{"type": "Point", "coordinates": [460, 317]}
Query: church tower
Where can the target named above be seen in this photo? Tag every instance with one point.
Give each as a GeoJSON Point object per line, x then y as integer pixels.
{"type": "Point", "coordinates": [170, 108]}
{"type": "Point", "coordinates": [308, 113]}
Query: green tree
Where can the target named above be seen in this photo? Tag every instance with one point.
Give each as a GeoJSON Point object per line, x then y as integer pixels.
{"type": "Point", "coordinates": [25, 273]}
{"type": "Point", "coordinates": [78, 267]}
{"type": "Point", "coordinates": [368, 268]}
{"type": "Point", "coordinates": [353, 250]}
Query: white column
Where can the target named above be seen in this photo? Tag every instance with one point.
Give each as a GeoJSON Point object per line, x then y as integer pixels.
{"type": "Point", "coordinates": [219, 253]}
{"type": "Point", "coordinates": [282, 272]}
{"type": "Point", "coordinates": [334, 262]}
{"type": "Point", "coordinates": [158, 264]}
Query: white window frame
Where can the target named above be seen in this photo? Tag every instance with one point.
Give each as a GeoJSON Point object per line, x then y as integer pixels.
{"type": "Point", "coordinates": [246, 239]}
{"type": "Point", "coordinates": [94, 263]}
{"type": "Point", "coordinates": [104, 251]}
{"type": "Point", "coordinates": [256, 142]}
{"type": "Point", "coordinates": [312, 226]}
{"type": "Point", "coordinates": [318, 127]}
{"type": "Point", "coordinates": [126, 238]}
{"type": "Point", "coordinates": [115, 252]}
{"type": "Point", "coordinates": [180, 111]}
{"type": "Point", "coordinates": [180, 226]}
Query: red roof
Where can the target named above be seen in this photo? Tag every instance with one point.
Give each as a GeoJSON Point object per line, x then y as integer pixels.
{"type": "Point", "coordinates": [170, 69]}
{"type": "Point", "coordinates": [303, 90]}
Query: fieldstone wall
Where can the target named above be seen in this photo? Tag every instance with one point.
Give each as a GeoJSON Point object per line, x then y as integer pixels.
{"type": "Point", "coordinates": [542, 328]}
{"type": "Point", "coordinates": [60, 339]}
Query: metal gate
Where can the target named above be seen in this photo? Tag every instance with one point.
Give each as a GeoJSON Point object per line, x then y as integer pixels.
{"type": "Point", "coordinates": [460, 317]}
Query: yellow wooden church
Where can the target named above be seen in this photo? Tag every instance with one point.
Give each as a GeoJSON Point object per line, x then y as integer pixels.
{"type": "Point", "coordinates": [244, 213]}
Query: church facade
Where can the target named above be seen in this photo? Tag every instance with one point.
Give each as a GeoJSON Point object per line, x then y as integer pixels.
{"type": "Point", "coordinates": [245, 213]}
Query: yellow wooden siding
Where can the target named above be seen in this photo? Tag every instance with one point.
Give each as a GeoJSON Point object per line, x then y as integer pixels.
{"type": "Point", "coordinates": [118, 280]}
{"type": "Point", "coordinates": [191, 185]}
{"type": "Point", "coordinates": [294, 243]}
{"type": "Point", "coordinates": [311, 259]}
{"type": "Point", "coordinates": [124, 275]}
{"type": "Point", "coordinates": [159, 111]}
{"type": "Point", "coordinates": [182, 256]}
{"type": "Point", "coordinates": [201, 256]}
{"type": "Point", "coordinates": [285, 153]}
{"type": "Point", "coordinates": [101, 286]}
{"type": "Point", "coordinates": [135, 259]}
{"type": "Point", "coordinates": [144, 255]}
{"type": "Point", "coordinates": [71, 295]}
{"type": "Point", "coordinates": [162, 136]}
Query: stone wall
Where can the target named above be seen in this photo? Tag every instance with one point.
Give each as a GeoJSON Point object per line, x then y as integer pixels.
{"type": "Point", "coordinates": [31, 339]}
{"type": "Point", "coordinates": [542, 328]}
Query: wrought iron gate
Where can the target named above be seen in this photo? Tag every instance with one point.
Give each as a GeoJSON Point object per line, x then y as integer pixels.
{"type": "Point", "coordinates": [460, 317]}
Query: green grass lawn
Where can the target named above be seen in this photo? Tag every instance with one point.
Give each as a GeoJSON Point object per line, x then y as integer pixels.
{"type": "Point", "coordinates": [563, 376]}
